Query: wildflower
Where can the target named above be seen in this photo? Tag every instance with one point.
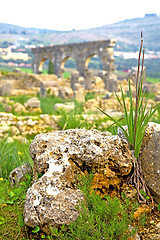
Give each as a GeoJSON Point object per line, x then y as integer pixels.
{"type": "Point", "coordinates": [1, 179]}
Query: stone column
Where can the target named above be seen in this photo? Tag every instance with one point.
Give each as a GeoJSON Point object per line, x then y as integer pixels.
{"type": "Point", "coordinates": [80, 66]}
{"type": "Point", "coordinates": [42, 92]}
{"type": "Point", "coordinates": [88, 79]}
{"type": "Point", "coordinates": [111, 83]}
{"type": "Point", "coordinates": [108, 61]}
{"type": "Point", "coordinates": [74, 79]}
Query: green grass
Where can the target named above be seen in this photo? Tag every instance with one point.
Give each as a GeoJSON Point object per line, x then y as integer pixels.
{"type": "Point", "coordinates": [47, 104]}
{"type": "Point", "coordinates": [153, 80]}
{"type": "Point", "coordinates": [26, 70]}
{"type": "Point", "coordinates": [90, 95]}
{"type": "Point", "coordinates": [66, 75]}
{"type": "Point", "coordinates": [70, 120]}
{"type": "Point", "coordinates": [1, 107]}
{"type": "Point", "coordinates": [20, 98]}
{"type": "Point", "coordinates": [12, 155]}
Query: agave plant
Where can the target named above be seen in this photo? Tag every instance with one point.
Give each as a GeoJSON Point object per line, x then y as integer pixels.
{"type": "Point", "coordinates": [136, 118]}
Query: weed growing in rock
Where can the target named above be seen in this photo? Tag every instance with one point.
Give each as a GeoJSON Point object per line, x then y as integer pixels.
{"type": "Point", "coordinates": [136, 119]}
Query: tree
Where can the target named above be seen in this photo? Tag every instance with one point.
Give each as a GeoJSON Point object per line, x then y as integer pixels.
{"type": "Point", "coordinates": [50, 67]}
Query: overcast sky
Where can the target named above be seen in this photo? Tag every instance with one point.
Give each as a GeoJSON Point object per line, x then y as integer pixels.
{"type": "Point", "coordinates": [66, 15]}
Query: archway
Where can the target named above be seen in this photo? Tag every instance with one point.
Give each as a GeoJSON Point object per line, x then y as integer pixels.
{"type": "Point", "coordinates": [43, 66]}
{"type": "Point", "coordinates": [68, 65]}
{"type": "Point", "coordinates": [94, 63]}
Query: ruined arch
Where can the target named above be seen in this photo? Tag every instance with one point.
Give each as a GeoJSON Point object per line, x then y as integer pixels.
{"type": "Point", "coordinates": [88, 60]}
{"type": "Point", "coordinates": [41, 64]}
{"type": "Point", "coordinates": [64, 61]}
{"type": "Point", "coordinates": [98, 62]}
{"type": "Point", "coordinates": [40, 68]}
{"type": "Point", "coordinates": [81, 52]}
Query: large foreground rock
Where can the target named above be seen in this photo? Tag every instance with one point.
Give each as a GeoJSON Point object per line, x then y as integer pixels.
{"type": "Point", "coordinates": [60, 156]}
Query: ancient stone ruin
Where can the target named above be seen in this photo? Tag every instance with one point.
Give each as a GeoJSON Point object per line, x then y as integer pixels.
{"type": "Point", "coordinates": [81, 52]}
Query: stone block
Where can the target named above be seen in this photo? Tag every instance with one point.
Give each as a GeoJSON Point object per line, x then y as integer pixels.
{"type": "Point", "coordinates": [6, 89]}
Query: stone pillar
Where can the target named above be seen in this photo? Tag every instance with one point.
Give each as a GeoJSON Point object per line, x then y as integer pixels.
{"type": "Point", "coordinates": [108, 63]}
{"type": "Point", "coordinates": [57, 65]}
{"type": "Point", "coordinates": [111, 83]}
{"type": "Point", "coordinates": [88, 79]}
{"type": "Point", "coordinates": [79, 93]}
{"type": "Point", "coordinates": [80, 66]}
{"type": "Point", "coordinates": [74, 79]}
{"type": "Point", "coordinates": [42, 92]}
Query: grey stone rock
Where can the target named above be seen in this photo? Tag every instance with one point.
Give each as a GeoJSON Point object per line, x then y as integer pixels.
{"type": "Point", "coordinates": [32, 103]}
{"type": "Point", "coordinates": [18, 174]}
{"type": "Point", "coordinates": [150, 159]}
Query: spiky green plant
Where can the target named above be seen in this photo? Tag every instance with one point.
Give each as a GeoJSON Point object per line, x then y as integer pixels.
{"type": "Point", "coordinates": [138, 116]}
{"type": "Point", "coordinates": [136, 119]}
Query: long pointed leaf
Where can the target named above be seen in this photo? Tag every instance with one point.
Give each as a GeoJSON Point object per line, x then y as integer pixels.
{"type": "Point", "coordinates": [115, 121]}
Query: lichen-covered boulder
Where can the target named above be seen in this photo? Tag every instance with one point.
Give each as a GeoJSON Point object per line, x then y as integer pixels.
{"type": "Point", "coordinates": [60, 156]}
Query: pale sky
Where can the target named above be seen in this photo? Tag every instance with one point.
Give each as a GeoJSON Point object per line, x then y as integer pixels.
{"type": "Point", "coordinates": [65, 15]}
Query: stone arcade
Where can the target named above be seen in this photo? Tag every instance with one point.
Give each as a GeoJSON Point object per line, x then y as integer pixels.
{"type": "Point", "coordinates": [80, 52]}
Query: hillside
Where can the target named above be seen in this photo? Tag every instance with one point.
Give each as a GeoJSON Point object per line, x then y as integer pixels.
{"type": "Point", "coordinates": [126, 32]}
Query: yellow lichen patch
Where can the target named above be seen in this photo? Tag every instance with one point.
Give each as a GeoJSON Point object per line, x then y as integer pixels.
{"type": "Point", "coordinates": [104, 185]}
{"type": "Point", "coordinates": [141, 210]}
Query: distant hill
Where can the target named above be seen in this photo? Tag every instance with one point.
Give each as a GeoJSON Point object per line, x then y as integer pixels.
{"type": "Point", "coordinates": [126, 32]}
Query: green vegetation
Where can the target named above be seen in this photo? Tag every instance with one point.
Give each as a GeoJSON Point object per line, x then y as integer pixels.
{"type": "Point", "coordinates": [153, 80]}
{"type": "Point", "coordinates": [138, 116]}
{"type": "Point", "coordinates": [20, 98]}
{"type": "Point", "coordinates": [107, 218]}
{"type": "Point", "coordinates": [136, 121]}
{"type": "Point", "coordinates": [66, 75]}
{"type": "Point", "coordinates": [89, 95]}
{"type": "Point", "coordinates": [70, 120]}
{"type": "Point", "coordinates": [152, 66]}
{"type": "Point", "coordinates": [50, 67]}
{"type": "Point", "coordinates": [47, 104]}
{"type": "Point", "coordinates": [26, 70]}
{"type": "Point", "coordinates": [12, 201]}
{"type": "Point", "coordinates": [12, 155]}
